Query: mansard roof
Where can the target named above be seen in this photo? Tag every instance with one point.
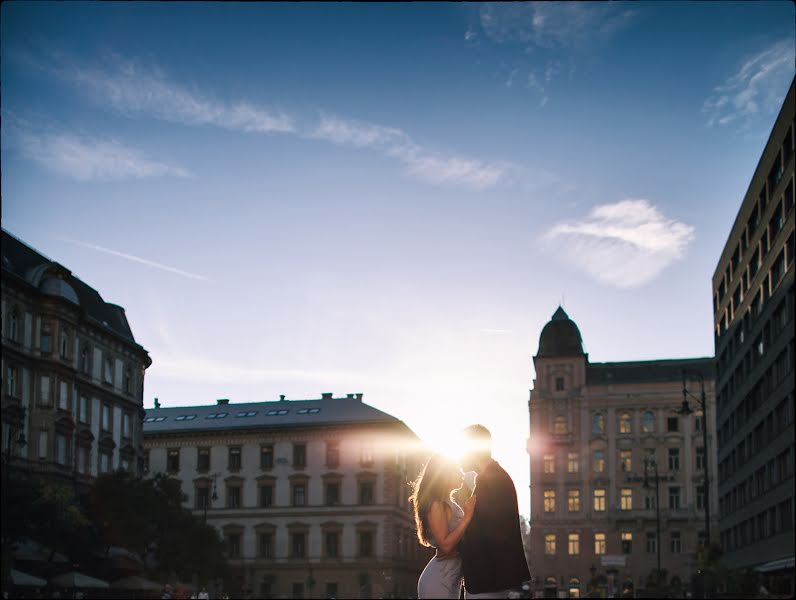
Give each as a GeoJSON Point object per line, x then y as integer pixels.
{"type": "Point", "coordinates": [649, 371]}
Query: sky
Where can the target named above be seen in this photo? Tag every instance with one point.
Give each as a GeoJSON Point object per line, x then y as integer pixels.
{"type": "Point", "coordinates": [389, 199]}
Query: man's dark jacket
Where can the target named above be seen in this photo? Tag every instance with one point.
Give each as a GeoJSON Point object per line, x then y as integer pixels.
{"type": "Point", "coordinates": [493, 558]}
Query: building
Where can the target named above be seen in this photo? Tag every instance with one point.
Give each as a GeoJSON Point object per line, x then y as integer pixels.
{"type": "Point", "coordinates": [73, 374]}
{"type": "Point", "coordinates": [599, 432]}
{"type": "Point", "coordinates": [310, 496]}
{"type": "Point", "coordinates": [753, 307]}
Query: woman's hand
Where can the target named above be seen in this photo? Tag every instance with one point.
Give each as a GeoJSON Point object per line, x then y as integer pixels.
{"type": "Point", "coordinates": [469, 508]}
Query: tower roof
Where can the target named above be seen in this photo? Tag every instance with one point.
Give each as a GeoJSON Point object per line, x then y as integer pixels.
{"type": "Point", "coordinates": [560, 337]}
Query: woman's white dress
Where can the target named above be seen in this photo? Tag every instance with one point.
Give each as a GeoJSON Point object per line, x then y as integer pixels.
{"type": "Point", "coordinates": [443, 578]}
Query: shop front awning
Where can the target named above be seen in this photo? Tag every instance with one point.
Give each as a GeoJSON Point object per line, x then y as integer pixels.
{"type": "Point", "coordinates": [777, 565]}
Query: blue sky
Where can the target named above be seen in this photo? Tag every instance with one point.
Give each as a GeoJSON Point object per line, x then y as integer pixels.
{"type": "Point", "coordinates": [389, 199]}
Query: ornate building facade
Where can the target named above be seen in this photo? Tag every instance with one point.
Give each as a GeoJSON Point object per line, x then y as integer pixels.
{"type": "Point", "coordinates": [73, 374]}
{"type": "Point", "coordinates": [310, 496]}
{"type": "Point", "coordinates": [617, 474]}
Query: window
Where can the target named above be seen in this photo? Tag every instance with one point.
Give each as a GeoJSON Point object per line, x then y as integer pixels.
{"type": "Point", "coordinates": [84, 361]}
{"type": "Point", "coordinates": [332, 544]}
{"type": "Point", "coordinates": [332, 454]}
{"type": "Point", "coordinates": [366, 489]}
{"type": "Point", "coordinates": [574, 543]}
{"type": "Point", "coordinates": [699, 420]}
{"type": "Point", "coordinates": [599, 461]}
{"type": "Point", "coordinates": [627, 542]}
{"type": "Point", "coordinates": [43, 442]}
{"type": "Point", "coordinates": [233, 495]}
{"type": "Point", "coordinates": [649, 501]}
{"type": "Point", "coordinates": [106, 417]}
{"type": "Point", "coordinates": [265, 545]}
{"type": "Point", "coordinates": [573, 458]}
{"type": "Point", "coordinates": [573, 500]}
{"type": "Point", "coordinates": [266, 456]}
{"type": "Point", "coordinates": [45, 341]}
{"type": "Point", "coordinates": [128, 379]}
{"type": "Point", "coordinates": [648, 422]}
{"type": "Point", "coordinates": [233, 545]}
{"type": "Point", "coordinates": [652, 542]}
{"type": "Point", "coordinates": [549, 501]}
{"type": "Point", "coordinates": [63, 395]}
{"type": "Point", "coordinates": [108, 371]}
{"type": "Point", "coordinates": [12, 328]}
{"type": "Point", "coordinates": [299, 494]}
{"type": "Point", "coordinates": [146, 461]}
{"type": "Point", "coordinates": [559, 384]}
{"type": "Point", "coordinates": [83, 459]}
{"type": "Point", "coordinates": [297, 545]}
{"type": "Point", "coordinates": [333, 493]}
{"type": "Point", "coordinates": [173, 460]}
{"type": "Point", "coordinates": [366, 544]}
{"type": "Point", "coordinates": [674, 459]}
{"type": "Point", "coordinates": [105, 462]}
{"type": "Point", "coordinates": [598, 424]}
{"type": "Point", "coordinates": [674, 542]}
{"type": "Point", "coordinates": [60, 449]}
{"type": "Point", "coordinates": [299, 456]}
{"type": "Point", "coordinates": [63, 346]}
{"type": "Point", "coordinates": [626, 460]}
{"type": "Point", "coordinates": [599, 543]}
{"type": "Point", "coordinates": [700, 497]}
{"type": "Point", "coordinates": [624, 423]}
{"type": "Point", "coordinates": [550, 543]}
{"type": "Point", "coordinates": [234, 458]}
{"type": "Point", "coordinates": [559, 425]}
{"type": "Point", "coordinates": [11, 381]}
{"type": "Point", "coordinates": [700, 458]}
{"type": "Point", "coordinates": [549, 463]}
{"type": "Point", "coordinates": [674, 497]}
{"type": "Point", "coordinates": [266, 495]}
{"type": "Point", "coordinates": [626, 499]}
{"type": "Point", "coordinates": [366, 454]}
{"type": "Point", "coordinates": [203, 459]}
{"type": "Point", "coordinates": [202, 497]}
{"type": "Point", "coordinates": [126, 425]}
{"type": "Point", "coordinates": [672, 424]}
{"type": "Point", "coordinates": [44, 389]}
{"type": "Point", "coordinates": [83, 412]}
{"type": "Point", "coordinates": [599, 500]}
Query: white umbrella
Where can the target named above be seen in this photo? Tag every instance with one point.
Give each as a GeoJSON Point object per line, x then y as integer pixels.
{"type": "Point", "coordinates": [73, 579]}
{"type": "Point", "coordinates": [20, 578]}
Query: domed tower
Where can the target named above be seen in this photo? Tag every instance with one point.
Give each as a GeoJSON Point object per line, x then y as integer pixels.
{"type": "Point", "coordinates": [560, 362]}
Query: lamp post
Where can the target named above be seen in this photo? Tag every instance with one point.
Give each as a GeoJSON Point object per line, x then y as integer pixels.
{"type": "Point", "coordinates": [650, 463]}
{"type": "Point", "coordinates": [685, 410]}
{"type": "Point", "coordinates": [17, 424]}
{"type": "Point", "coordinates": [213, 498]}
{"type": "Point", "coordinates": [12, 430]}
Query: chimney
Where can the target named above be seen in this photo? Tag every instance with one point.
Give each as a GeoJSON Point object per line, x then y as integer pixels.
{"type": "Point", "coordinates": [221, 401]}
{"type": "Point", "coordinates": [358, 397]}
{"type": "Point", "coordinates": [326, 396]}
{"type": "Point", "coordinates": [350, 396]}
{"type": "Point", "coordinates": [281, 397]}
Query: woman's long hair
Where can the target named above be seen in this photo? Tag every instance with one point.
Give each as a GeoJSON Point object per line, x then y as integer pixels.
{"type": "Point", "coordinates": [433, 484]}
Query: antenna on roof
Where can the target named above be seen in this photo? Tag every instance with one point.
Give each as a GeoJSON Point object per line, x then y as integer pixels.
{"type": "Point", "coordinates": [157, 403]}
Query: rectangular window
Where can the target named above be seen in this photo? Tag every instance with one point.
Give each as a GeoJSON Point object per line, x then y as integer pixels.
{"type": "Point", "coordinates": [573, 500]}
{"type": "Point", "coordinates": [366, 454]}
{"type": "Point", "coordinates": [626, 460]}
{"type": "Point", "coordinates": [63, 395]}
{"type": "Point", "coordinates": [700, 497]}
{"type": "Point", "coordinates": [598, 424]}
{"type": "Point", "coordinates": [299, 494]}
{"type": "Point", "coordinates": [266, 456]}
{"type": "Point", "coordinates": [674, 497]}
{"type": "Point", "coordinates": [126, 425]}
{"type": "Point", "coordinates": [573, 458]}
{"type": "Point", "coordinates": [173, 460]}
{"type": "Point", "coordinates": [203, 459]}
{"type": "Point", "coordinates": [106, 417]}
{"type": "Point", "coordinates": [626, 499]}
{"type": "Point", "coordinates": [332, 454]}
{"type": "Point", "coordinates": [559, 384]}
{"type": "Point", "coordinates": [672, 424]}
{"type": "Point", "coordinates": [105, 462]}
{"type": "Point", "coordinates": [674, 459]}
{"type": "Point", "coordinates": [83, 458]}
{"type": "Point", "coordinates": [233, 496]}
{"type": "Point", "coordinates": [332, 494]}
{"type": "Point", "coordinates": [11, 381]}
{"type": "Point", "coordinates": [652, 542]}
{"type": "Point", "coordinates": [233, 545]}
{"type": "Point", "coordinates": [674, 542]}
{"type": "Point", "coordinates": [599, 543]}
{"type": "Point", "coordinates": [202, 497]}
{"type": "Point", "coordinates": [627, 542]}
{"type": "Point", "coordinates": [297, 545]}
{"type": "Point", "coordinates": [108, 371]}
{"type": "Point", "coordinates": [599, 461]}
{"type": "Point", "coordinates": [60, 449]}
{"type": "Point", "coordinates": [299, 456]}
{"type": "Point", "coordinates": [234, 458]}
{"type": "Point", "coordinates": [266, 495]}
{"type": "Point", "coordinates": [83, 413]}
{"type": "Point", "coordinates": [574, 544]}
{"type": "Point", "coordinates": [332, 544]}
{"type": "Point", "coordinates": [649, 501]}
{"type": "Point", "coordinates": [599, 500]}
{"type": "Point", "coordinates": [45, 342]}
{"type": "Point", "coordinates": [549, 501]}
{"type": "Point", "coordinates": [366, 544]}
{"type": "Point", "coordinates": [366, 489]}
{"type": "Point", "coordinates": [265, 545]}
{"type": "Point", "coordinates": [550, 543]}
{"type": "Point", "coordinates": [44, 389]}
{"type": "Point", "coordinates": [700, 458]}
{"type": "Point", "coordinates": [549, 463]}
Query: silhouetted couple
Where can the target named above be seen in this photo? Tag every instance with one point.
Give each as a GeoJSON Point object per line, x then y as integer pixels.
{"type": "Point", "coordinates": [479, 546]}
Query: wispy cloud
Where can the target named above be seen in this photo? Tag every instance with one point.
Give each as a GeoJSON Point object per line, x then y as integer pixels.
{"type": "Point", "coordinates": [135, 90]}
{"type": "Point", "coordinates": [758, 86]}
{"type": "Point", "coordinates": [84, 158]}
{"type": "Point", "coordinates": [625, 244]}
{"type": "Point", "coordinates": [137, 259]}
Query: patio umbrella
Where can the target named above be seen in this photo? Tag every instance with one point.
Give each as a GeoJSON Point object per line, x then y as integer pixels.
{"type": "Point", "coordinates": [20, 578]}
{"type": "Point", "coordinates": [135, 583]}
{"type": "Point", "coordinates": [73, 579]}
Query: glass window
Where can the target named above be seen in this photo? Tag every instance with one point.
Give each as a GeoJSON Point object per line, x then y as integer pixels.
{"type": "Point", "coordinates": [108, 372]}
{"type": "Point", "coordinates": [648, 422]}
{"type": "Point", "coordinates": [559, 384]}
{"type": "Point", "coordinates": [299, 494]}
{"type": "Point", "coordinates": [674, 497]}
{"type": "Point", "coordinates": [234, 458]}
{"type": "Point", "coordinates": [700, 458]}
{"type": "Point", "coordinates": [332, 454]}
{"type": "Point", "coordinates": [297, 545]}
{"type": "Point", "coordinates": [559, 425]}
{"type": "Point", "coordinates": [599, 500]}
{"type": "Point", "coordinates": [233, 496]}
{"type": "Point", "coordinates": [332, 544]}
{"type": "Point", "coordinates": [84, 362]}
{"type": "Point", "coordinates": [599, 461]}
{"type": "Point", "coordinates": [173, 459]}
{"type": "Point", "coordinates": [266, 495]}
{"type": "Point", "coordinates": [626, 499]}
{"type": "Point", "coordinates": [366, 543]}
{"type": "Point", "coordinates": [233, 545]}
{"type": "Point", "coordinates": [43, 441]}
{"type": "Point", "coordinates": [332, 493]}
{"type": "Point", "coordinates": [549, 463]}
{"type": "Point", "coordinates": [11, 373]}
{"type": "Point", "coordinates": [574, 543]}
{"type": "Point", "coordinates": [550, 543]}
{"type": "Point", "coordinates": [106, 417]}
{"type": "Point", "coordinates": [700, 497]}
{"type": "Point", "coordinates": [573, 459]}
{"type": "Point", "coordinates": [626, 460]}
{"type": "Point", "coordinates": [60, 449]}
{"type": "Point", "coordinates": [105, 462]}
{"type": "Point", "coordinates": [549, 501]}
{"type": "Point", "coordinates": [266, 456]}
{"type": "Point", "coordinates": [126, 424]}
{"type": "Point", "coordinates": [64, 345]}
{"type": "Point", "coordinates": [203, 459]}
{"type": "Point", "coordinates": [299, 456]}
{"type": "Point", "coordinates": [45, 341]}
{"type": "Point", "coordinates": [573, 500]}
{"type": "Point", "coordinates": [83, 414]}
{"type": "Point", "coordinates": [366, 489]}
{"type": "Point", "coordinates": [672, 424]}
{"type": "Point", "coordinates": [366, 454]}
{"type": "Point", "coordinates": [624, 423]}
{"type": "Point", "coordinates": [674, 542]}
{"type": "Point", "coordinates": [265, 545]}
{"type": "Point", "coordinates": [63, 395]}
{"type": "Point", "coordinates": [599, 543]}
{"type": "Point", "coordinates": [598, 423]}
{"type": "Point", "coordinates": [627, 542]}
{"type": "Point", "coordinates": [674, 459]}
{"type": "Point", "coordinates": [652, 542]}
{"type": "Point", "coordinates": [44, 389]}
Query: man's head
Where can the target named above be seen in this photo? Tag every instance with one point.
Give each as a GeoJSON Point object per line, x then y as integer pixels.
{"type": "Point", "coordinates": [478, 447]}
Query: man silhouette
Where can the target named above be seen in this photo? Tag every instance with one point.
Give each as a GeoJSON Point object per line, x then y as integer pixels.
{"type": "Point", "coordinates": [493, 558]}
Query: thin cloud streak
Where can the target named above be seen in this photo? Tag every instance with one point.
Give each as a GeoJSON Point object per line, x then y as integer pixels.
{"type": "Point", "coordinates": [137, 259]}
{"type": "Point", "coordinates": [626, 244]}
{"type": "Point", "coordinates": [758, 86]}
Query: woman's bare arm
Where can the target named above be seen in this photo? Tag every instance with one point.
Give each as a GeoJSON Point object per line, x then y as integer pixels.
{"type": "Point", "coordinates": [438, 525]}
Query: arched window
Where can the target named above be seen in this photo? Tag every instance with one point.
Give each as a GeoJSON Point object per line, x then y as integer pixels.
{"type": "Point", "coordinates": [625, 423]}
{"type": "Point", "coordinates": [598, 423]}
{"type": "Point", "coordinates": [648, 422]}
{"type": "Point", "coordinates": [64, 343]}
{"type": "Point", "coordinates": [559, 424]}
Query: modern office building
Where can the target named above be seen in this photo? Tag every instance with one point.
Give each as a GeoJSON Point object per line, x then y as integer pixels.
{"type": "Point", "coordinates": [73, 374]}
{"type": "Point", "coordinates": [310, 496]}
{"type": "Point", "coordinates": [753, 306]}
{"type": "Point", "coordinates": [617, 473]}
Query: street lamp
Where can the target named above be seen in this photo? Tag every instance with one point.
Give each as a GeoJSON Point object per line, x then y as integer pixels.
{"type": "Point", "coordinates": [21, 442]}
{"type": "Point", "coordinates": [650, 463]}
{"type": "Point", "coordinates": [685, 410]}
{"type": "Point", "coordinates": [213, 498]}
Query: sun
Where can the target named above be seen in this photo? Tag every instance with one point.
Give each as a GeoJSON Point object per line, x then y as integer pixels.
{"type": "Point", "coordinates": [451, 444]}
